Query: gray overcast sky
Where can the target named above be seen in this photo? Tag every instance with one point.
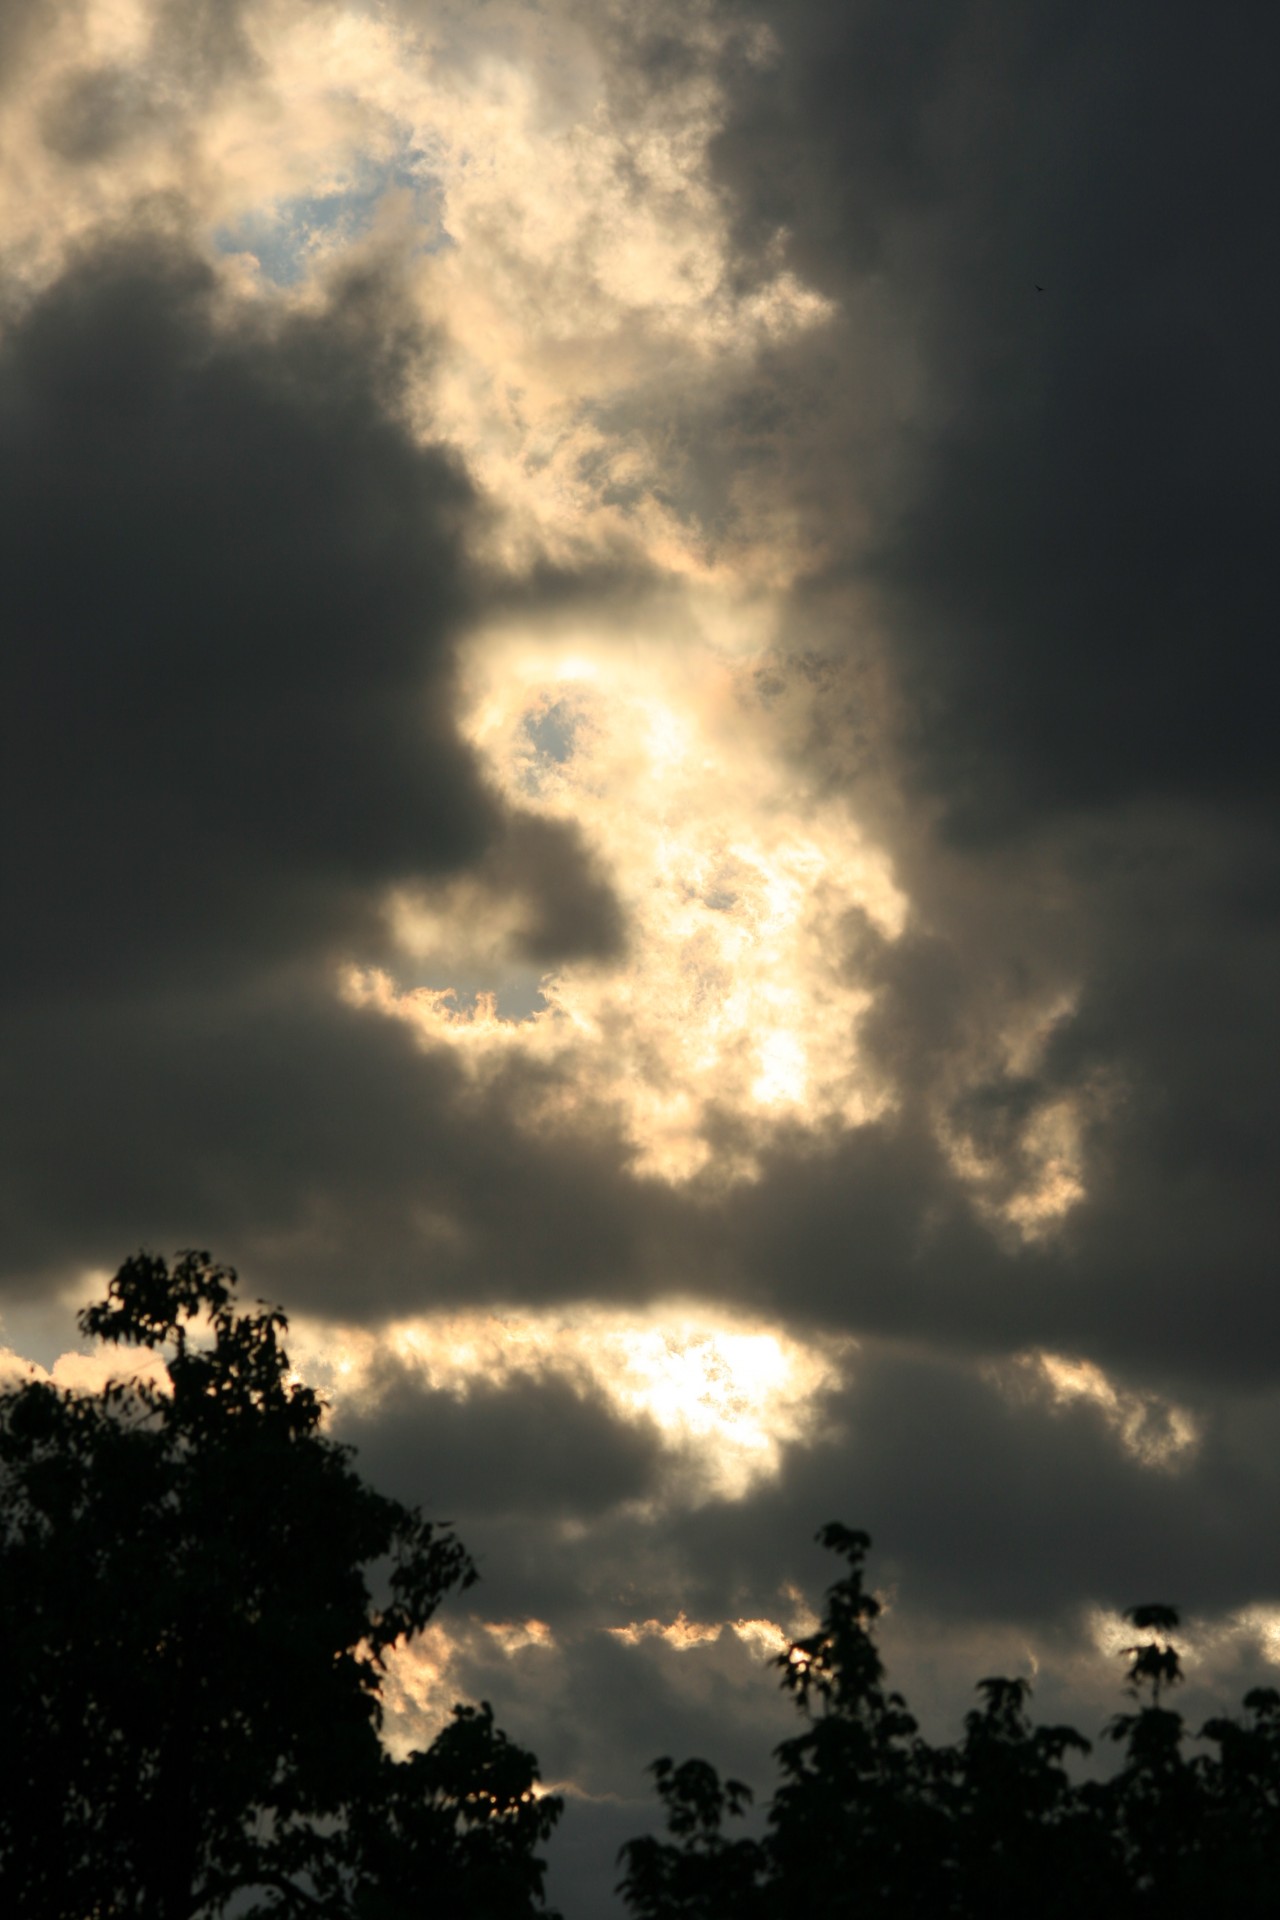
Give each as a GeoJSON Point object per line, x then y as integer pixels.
{"type": "Point", "coordinates": [639, 702]}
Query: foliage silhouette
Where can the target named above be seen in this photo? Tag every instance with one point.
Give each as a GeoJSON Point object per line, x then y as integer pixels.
{"type": "Point", "coordinates": [193, 1653]}
{"type": "Point", "coordinates": [870, 1820]}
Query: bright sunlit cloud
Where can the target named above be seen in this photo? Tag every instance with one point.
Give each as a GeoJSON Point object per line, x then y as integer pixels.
{"type": "Point", "coordinates": [569, 250]}
{"type": "Point", "coordinates": [735, 879]}
{"type": "Point", "coordinates": [765, 1638]}
{"type": "Point", "coordinates": [1031, 1173]}
{"type": "Point", "coordinates": [735, 998]}
{"type": "Point", "coordinates": [1151, 1429]}
{"type": "Point", "coordinates": [727, 1396]}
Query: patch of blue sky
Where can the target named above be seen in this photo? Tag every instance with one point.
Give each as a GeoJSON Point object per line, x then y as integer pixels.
{"type": "Point", "coordinates": [289, 237]}
{"type": "Point", "coordinates": [552, 731]}
{"type": "Point", "coordinates": [517, 990]}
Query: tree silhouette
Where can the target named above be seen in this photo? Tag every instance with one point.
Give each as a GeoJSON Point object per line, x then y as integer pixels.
{"type": "Point", "coordinates": [705, 1874]}
{"type": "Point", "coordinates": [870, 1820]}
{"type": "Point", "coordinates": [858, 1804]}
{"type": "Point", "coordinates": [197, 1597]}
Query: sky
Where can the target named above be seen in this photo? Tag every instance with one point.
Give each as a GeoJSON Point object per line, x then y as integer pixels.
{"type": "Point", "coordinates": [639, 708]}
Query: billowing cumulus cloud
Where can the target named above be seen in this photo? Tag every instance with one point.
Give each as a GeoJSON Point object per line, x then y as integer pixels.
{"type": "Point", "coordinates": [637, 771]}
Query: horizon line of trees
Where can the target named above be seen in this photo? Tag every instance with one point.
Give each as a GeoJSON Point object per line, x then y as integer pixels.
{"type": "Point", "coordinates": [871, 1819]}
{"type": "Point", "coordinates": [198, 1594]}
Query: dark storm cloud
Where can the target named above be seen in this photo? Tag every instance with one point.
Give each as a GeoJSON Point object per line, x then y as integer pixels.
{"type": "Point", "coordinates": [871, 1229]}
{"type": "Point", "coordinates": [986, 1506]}
{"type": "Point", "coordinates": [567, 909]}
{"type": "Point", "coordinates": [541, 1446]}
{"type": "Point", "coordinates": [341, 1167]}
{"type": "Point", "coordinates": [1175, 1251]}
{"type": "Point", "coordinates": [1081, 591]}
{"type": "Point", "coordinates": [1165, 1265]}
{"type": "Point", "coordinates": [232, 584]}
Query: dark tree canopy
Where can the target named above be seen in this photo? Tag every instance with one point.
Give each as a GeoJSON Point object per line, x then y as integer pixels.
{"type": "Point", "coordinates": [197, 1597]}
{"type": "Point", "coordinates": [871, 1822]}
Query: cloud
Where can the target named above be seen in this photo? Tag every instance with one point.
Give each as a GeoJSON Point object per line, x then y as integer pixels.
{"type": "Point", "coordinates": [22, 25]}
{"type": "Point", "coordinates": [718, 1398]}
{"type": "Point", "coordinates": [1077, 577]}
{"type": "Point", "coordinates": [232, 584]}
{"type": "Point", "coordinates": [540, 1447]}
